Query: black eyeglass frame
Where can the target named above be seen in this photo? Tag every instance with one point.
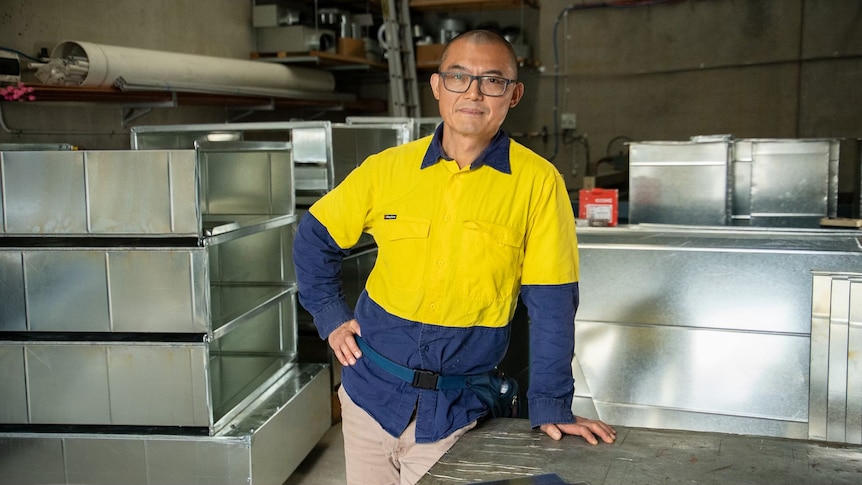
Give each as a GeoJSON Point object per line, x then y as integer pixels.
{"type": "Point", "coordinates": [479, 78]}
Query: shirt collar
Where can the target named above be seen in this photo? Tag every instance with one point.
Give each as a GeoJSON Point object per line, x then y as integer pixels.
{"type": "Point", "coordinates": [495, 155]}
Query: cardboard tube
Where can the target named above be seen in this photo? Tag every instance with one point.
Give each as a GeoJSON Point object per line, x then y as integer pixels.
{"type": "Point", "coordinates": [107, 63]}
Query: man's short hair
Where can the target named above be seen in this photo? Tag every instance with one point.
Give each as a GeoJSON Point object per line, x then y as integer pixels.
{"type": "Point", "coordinates": [482, 36]}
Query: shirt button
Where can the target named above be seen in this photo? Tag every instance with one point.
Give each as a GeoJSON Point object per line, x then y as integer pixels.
{"type": "Point", "coordinates": [432, 305]}
{"type": "Point", "coordinates": [447, 217]}
{"type": "Point", "coordinates": [439, 262]}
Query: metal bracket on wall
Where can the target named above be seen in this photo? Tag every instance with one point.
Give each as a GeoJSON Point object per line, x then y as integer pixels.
{"type": "Point", "coordinates": [245, 111]}
{"type": "Point", "coordinates": [132, 114]}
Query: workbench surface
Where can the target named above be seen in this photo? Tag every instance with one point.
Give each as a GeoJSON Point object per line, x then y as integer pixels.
{"type": "Point", "coordinates": [500, 449]}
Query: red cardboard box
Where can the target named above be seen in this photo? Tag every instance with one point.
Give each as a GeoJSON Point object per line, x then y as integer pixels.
{"type": "Point", "coordinates": [599, 206]}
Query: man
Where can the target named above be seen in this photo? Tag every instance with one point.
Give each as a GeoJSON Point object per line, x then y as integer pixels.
{"type": "Point", "coordinates": [464, 221]}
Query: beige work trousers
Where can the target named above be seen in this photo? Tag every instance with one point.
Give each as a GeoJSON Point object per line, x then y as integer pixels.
{"type": "Point", "coordinates": [374, 457]}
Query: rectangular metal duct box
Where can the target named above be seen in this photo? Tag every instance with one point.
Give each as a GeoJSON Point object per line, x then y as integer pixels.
{"type": "Point", "coordinates": [419, 127]}
{"type": "Point", "coordinates": [710, 329]}
{"type": "Point", "coordinates": [108, 383]}
{"type": "Point", "coordinates": [263, 445]}
{"type": "Point", "coordinates": [323, 152]}
{"type": "Point", "coordinates": [717, 180]}
{"type": "Point", "coordinates": [836, 358]}
{"type": "Point", "coordinates": [785, 183]}
{"type": "Point", "coordinates": [96, 290]}
{"type": "Point", "coordinates": [150, 193]}
{"type": "Point", "coordinates": [352, 144]}
{"type": "Point", "coordinates": [143, 383]}
{"type": "Point", "coordinates": [679, 182]}
{"type": "Point", "coordinates": [149, 290]}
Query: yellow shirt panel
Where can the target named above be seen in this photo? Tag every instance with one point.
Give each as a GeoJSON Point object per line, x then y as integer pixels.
{"type": "Point", "coordinates": [455, 246]}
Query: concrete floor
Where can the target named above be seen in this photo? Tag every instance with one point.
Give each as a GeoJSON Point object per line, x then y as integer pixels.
{"type": "Point", "coordinates": [324, 465]}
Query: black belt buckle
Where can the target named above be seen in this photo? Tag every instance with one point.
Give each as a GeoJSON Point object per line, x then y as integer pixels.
{"type": "Point", "coordinates": [425, 379]}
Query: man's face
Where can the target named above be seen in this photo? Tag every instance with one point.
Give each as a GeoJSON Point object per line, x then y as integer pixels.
{"type": "Point", "coordinates": [471, 113]}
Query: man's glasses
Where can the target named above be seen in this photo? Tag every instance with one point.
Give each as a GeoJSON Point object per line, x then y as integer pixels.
{"type": "Point", "coordinates": [458, 82]}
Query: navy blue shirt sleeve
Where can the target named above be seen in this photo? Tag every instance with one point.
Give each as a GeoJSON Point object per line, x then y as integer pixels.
{"type": "Point", "coordinates": [551, 309]}
{"type": "Point", "coordinates": [318, 259]}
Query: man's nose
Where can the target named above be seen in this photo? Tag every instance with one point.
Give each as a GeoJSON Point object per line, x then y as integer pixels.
{"type": "Point", "coordinates": [474, 89]}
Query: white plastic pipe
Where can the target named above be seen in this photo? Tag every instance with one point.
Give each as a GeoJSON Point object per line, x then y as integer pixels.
{"type": "Point", "coordinates": [107, 63]}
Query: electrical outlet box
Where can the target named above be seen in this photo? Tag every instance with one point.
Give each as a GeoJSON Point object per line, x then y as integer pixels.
{"type": "Point", "coordinates": [10, 68]}
{"type": "Point", "coordinates": [568, 121]}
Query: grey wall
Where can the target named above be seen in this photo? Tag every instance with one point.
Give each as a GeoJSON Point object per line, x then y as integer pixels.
{"type": "Point", "coordinates": [206, 27]}
{"type": "Point", "coordinates": [750, 68]}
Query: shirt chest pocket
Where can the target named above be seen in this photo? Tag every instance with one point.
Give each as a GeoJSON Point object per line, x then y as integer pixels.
{"type": "Point", "coordinates": [403, 248]}
{"type": "Point", "coordinates": [491, 260]}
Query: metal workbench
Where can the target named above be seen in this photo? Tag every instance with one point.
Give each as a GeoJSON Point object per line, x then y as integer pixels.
{"type": "Point", "coordinates": [506, 449]}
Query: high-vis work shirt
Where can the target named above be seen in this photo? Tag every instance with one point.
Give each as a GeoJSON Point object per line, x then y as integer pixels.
{"type": "Point", "coordinates": [455, 248]}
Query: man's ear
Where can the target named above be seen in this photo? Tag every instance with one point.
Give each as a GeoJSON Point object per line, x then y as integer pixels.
{"type": "Point", "coordinates": [435, 85]}
{"type": "Point", "coordinates": [517, 94]}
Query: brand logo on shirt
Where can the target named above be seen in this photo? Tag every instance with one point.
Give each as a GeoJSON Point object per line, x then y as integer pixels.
{"type": "Point", "coordinates": [389, 217]}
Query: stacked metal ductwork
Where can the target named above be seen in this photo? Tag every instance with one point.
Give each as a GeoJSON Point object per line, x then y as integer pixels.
{"type": "Point", "coordinates": [148, 318]}
{"type": "Point", "coordinates": [722, 181]}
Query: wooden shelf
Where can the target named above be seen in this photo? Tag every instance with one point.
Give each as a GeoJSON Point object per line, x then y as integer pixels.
{"type": "Point", "coordinates": [439, 5]}
{"type": "Point", "coordinates": [433, 65]}
{"type": "Point", "coordinates": [63, 94]}
{"type": "Point", "coordinates": [428, 66]}
{"type": "Point", "coordinates": [354, 5]}
{"type": "Point", "coordinates": [326, 60]}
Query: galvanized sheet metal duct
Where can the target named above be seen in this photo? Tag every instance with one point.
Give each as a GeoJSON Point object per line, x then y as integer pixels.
{"type": "Point", "coordinates": [836, 358]}
{"type": "Point", "coordinates": [716, 329]}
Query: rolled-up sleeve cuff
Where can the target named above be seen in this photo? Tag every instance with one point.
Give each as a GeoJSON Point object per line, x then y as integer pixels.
{"type": "Point", "coordinates": [331, 317]}
{"type": "Point", "coordinates": [545, 410]}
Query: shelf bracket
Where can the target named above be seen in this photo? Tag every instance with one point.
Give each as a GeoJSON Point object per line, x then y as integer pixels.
{"type": "Point", "coordinates": [132, 114]}
{"type": "Point", "coordinates": [249, 110]}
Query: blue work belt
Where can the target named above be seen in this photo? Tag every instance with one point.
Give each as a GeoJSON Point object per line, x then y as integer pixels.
{"type": "Point", "coordinates": [423, 379]}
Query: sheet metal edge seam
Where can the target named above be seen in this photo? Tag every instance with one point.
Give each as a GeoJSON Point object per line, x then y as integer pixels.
{"type": "Point", "coordinates": [646, 247]}
{"type": "Point", "coordinates": [692, 328]}
{"type": "Point", "coordinates": [694, 411]}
